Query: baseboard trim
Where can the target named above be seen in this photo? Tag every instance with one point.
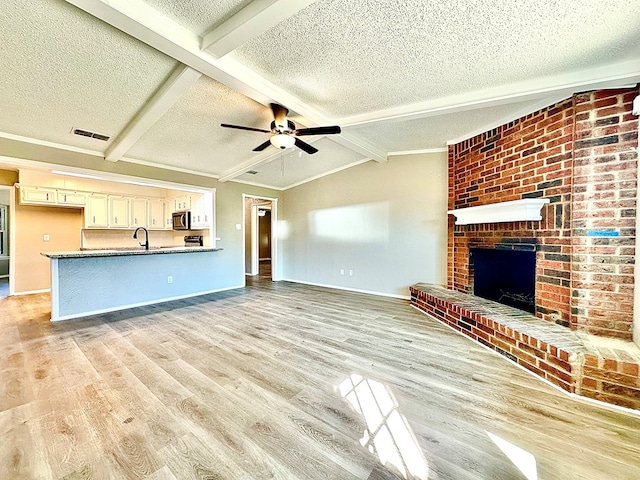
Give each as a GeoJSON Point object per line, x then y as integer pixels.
{"type": "Point", "coordinates": [32, 292]}
{"type": "Point", "coordinates": [355, 290]}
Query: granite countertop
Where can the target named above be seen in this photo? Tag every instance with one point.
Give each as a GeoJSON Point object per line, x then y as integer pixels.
{"type": "Point", "coordinates": [119, 252]}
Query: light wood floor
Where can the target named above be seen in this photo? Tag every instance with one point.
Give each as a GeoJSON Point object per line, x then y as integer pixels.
{"type": "Point", "coordinates": [279, 380]}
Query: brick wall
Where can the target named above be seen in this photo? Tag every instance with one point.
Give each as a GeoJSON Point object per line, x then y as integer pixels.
{"type": "Point", "coordinates": [604, 203]}
{"type": "Point", "coordinates": [577, 154]}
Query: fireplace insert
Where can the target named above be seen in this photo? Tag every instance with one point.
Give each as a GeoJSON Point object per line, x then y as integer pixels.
{"type": "Point", "coordinates": [505, 276]}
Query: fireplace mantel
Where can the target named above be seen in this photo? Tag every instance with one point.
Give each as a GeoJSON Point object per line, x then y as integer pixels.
{"type": "Point", "coordinates": [514, 211]}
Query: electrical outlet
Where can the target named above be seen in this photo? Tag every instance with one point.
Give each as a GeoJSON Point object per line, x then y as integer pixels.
{"type": "Point", "coordinates": [169, 279]}
{"type": "Point", "coordinates": [351, 272]}
{"type": "Point", "coordinates": [45, 238]}
{"type": "Point", "coordinates": [342, 271]}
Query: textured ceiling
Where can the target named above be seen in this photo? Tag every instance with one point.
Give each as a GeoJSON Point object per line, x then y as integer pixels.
{"type": "Point", "coordinates": [292, 166]}
{"type": "Point", "coordinates": [198, 16]}
{"type": "Point", "coordinates": [350, 57]}
{"type": "Point", "coordinates": [397, 76]}
{"type": "Point", "coordinates": [189, 135]}
{"type": "Point", "coordinates": [63, 68]}
{"type": "Point", "coordinates": [401, 136]}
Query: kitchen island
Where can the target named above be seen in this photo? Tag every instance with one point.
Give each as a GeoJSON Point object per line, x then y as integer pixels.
{"type": "Point", "coordinates": [91, 282]}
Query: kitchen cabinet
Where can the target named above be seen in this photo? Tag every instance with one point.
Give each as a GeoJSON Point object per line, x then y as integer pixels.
{"type": "Point", "coordinates": [183, 202]}
{"type": "Point", "coordinates": [139, 208]}
{"type": "Point", "coordinates": [30, 195]}
{"type": "Point", "coordinates": [158, 217]}
{"type": "Point", "coordinates": [96, 211]}
{"type": "Point", "coordinates": [37, 195]}
{"type": "Point", "coordinates": [200, 211]}
{"type": "Point", "coordinates": [118, 212]}
{"type": "Point", "coordinates": [71, 198]}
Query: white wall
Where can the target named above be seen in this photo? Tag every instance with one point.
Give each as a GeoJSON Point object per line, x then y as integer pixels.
{"type": "Point", "coordinates": [386, 222]}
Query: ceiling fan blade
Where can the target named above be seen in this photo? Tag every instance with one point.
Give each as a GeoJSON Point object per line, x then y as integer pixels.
{"type": "Point", "coordinates": [305, 147]}
{"type": "Point", "coordinates": [262, 146]}
{"type": "Point", "coordinates": [318, 130]}
{"type": "Point", "coordinates": [279, 115]}
{"type": "Point", "coordinates": [240, 127]}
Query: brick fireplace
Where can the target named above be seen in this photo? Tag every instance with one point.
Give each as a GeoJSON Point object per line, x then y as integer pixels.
{"type": "Point", "coordinates": [581, 155]}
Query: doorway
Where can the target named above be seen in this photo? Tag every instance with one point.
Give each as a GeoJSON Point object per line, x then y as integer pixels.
{"type": "Point", "coordinates": [6, 201]}
{"type": "Point", "coordinates": [260, 220]}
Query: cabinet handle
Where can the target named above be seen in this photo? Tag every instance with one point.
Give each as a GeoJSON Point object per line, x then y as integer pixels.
{"type": "Point", "coordinates": [116, 218]}
{"type": "Point", "coordinates": [47, 196]}
{"type": "Point", "coordinates": [153, 222]}
{"type": "Point", "coordinates": [135, 221]}
{"type": "Point", "coordinates": [94, 219]}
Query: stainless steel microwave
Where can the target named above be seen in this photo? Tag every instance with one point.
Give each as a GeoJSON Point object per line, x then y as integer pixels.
{"type": "Point", "coordinates": [181, 220]}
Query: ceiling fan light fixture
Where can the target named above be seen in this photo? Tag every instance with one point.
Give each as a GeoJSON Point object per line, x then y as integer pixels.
{"type": "Point", "coordinates": [282, 141]}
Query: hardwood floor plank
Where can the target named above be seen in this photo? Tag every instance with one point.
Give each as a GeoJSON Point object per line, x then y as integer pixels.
{"type": "Point", "coordinates": [254, 383]}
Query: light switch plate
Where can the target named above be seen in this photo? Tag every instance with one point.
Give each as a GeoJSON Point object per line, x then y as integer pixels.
{"type": "Point", "coordinates": [45, 238]}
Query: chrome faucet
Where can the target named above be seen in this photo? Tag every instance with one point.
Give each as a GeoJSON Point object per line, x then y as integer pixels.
{"type": "Point", "coordinates": [146, 237]}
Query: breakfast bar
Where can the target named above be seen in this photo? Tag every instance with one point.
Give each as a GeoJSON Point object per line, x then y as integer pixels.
{"type": "Point", "coordinates": [91, 282]}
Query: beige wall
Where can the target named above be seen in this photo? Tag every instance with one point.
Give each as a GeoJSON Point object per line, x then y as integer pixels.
{"type": "Point", "coordinates": [8, 177]}
{"type": "Point", "coordinates": [32, 223]}
{"type": "Point", "coordinates": [385, 221]}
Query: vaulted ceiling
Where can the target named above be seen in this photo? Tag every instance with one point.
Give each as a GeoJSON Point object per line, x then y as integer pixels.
{"type": "Point", "coordinates": [158, 77]}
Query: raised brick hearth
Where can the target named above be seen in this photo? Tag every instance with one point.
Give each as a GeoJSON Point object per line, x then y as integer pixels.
{"type": "Point", "coordinates": [580, 363]}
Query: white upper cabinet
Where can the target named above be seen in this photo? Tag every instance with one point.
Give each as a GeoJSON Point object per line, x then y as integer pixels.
{"type": "Point", "coordinates": [158, 219]}
{"type": "Point", "coordinates": [201, 207]}
{"type": "Point", "coordinates": [71, 198]}
{"type": "Point", "coordinates": [182, 202]}
{"type": "Point", "coordinates": [96, 211]}
{"type": "Point", "coordinates": [118, 212]}
{"type": "Point", "coordinates": [139, 211]}
{"type": "Point", "coordinates": [37, 195]}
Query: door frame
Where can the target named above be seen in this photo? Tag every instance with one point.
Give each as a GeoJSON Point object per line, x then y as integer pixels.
{"type": "Point", "coordinates": [254, 254]}
{"type": "Point", "coordinates": [12, 237]}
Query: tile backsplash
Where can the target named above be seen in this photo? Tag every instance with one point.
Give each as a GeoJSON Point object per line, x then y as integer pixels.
{"type": "Point", "coordinates": [124, 238]}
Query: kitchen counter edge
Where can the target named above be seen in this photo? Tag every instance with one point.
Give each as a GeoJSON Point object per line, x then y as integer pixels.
{"type": "Point", "coordinates": [124, 253]}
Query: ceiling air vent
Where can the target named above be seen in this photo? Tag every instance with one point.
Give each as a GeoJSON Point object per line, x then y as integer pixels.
{"type": "Point", "coordinates": [252, 172]}
{"type": "Point", "coordinates": [87, 133]}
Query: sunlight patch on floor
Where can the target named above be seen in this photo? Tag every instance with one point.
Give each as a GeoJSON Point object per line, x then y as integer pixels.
{"type": "Point", "coordinates": [523, 460]}
{"type": "Point", "coordinates": [388, 434]}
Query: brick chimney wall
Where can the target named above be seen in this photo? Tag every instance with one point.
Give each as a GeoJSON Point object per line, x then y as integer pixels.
{"type": "Point", "coordinates": [578, 154]}
{"type": "Point", "coordinates": [604, 203]}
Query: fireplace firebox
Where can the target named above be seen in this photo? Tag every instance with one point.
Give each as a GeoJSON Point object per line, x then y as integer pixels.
{"type": "Point", "coordinates": [505, 276]}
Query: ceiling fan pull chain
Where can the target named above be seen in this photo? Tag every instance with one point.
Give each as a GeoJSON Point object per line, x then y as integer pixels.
{"type": "Point", "coordinates": [282, 164]}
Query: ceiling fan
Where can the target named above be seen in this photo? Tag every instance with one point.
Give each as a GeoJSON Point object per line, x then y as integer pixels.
{"type": "Point", "coordinates": [284, 133]}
